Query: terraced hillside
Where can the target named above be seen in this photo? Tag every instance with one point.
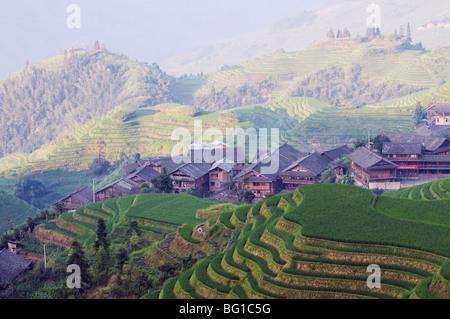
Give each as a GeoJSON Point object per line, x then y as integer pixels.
{"type": "Point", "coordinates": [157, 214]}
{"type": "Point", "coordinates": [316, 242]}
{"type": "Point", "coordinates": [380, 60]}
{"type": "Point", "coordinates": [437, 190]}
{"type": "Point", "coordinates": [146, 130]}
{"type": "Point", "coordinates": [14, 209]}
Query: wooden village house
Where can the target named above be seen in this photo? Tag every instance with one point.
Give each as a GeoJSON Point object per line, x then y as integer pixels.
{"type": "Point", "coordinates": [77, 199]}
{"type": "Point", "coordinates": [122, 187]}
{"type": "Point", "coordinates": [372, 170]}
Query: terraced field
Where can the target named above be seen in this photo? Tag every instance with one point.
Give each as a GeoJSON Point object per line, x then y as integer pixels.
{"type": "Point", "coordinates": [437, 190]}
{"type": "Point", "coordinates": [410, 67]}
{"type": "Point", "coordinates": [294, 246]}
{"type": "Point", "coordinates": [156, 214]}
{"type": "Point", "coordinates": [148, 131]}
{"type": "Point", "coordinates": [333, 127]}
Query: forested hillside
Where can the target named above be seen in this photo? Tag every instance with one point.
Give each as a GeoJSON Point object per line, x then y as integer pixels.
{"type": "Point", "coordinates": [44, 101]}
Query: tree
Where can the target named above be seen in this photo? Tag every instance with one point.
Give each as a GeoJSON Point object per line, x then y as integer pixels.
{"type": "Point", "coordinates": [329, 176]}
{"type": "Point", "coordinates": [419, 114]}
{"type": "Point", "coordinates": [96, 45]}
{"type": "Point", "coordinates": [77, 257]}
{"type": "Point", "coordinates": [248, 196]}
{"type": "Point", "coordinates": [408, 33]}
{"type": "Point", "coordinates": [359, 143]}
{"type": "Point", "coordinates": [133, 229]}
{"type": "Point", "coordinates": [146, 188]}
{"type": "Point", "coordinates": [348, 180]}
{"type": "Point", "coordinates": [99, 167]}
{"type": "Point", "coordinates": [102, 263]}
{"type": "Point", "coordinates": [121, 257]}
{"type": "Point", "coordinates": [31, 190]}
{"type": "Point", "coordinates": [330, 33]}
{"type": "Point", "coordinates": [102, 240]}
{"type": "Point", "coordinates": [59, 208]}
{"type": "Point", "coordinates": [346, 33]}
{"type": "Point", "coordinates": [339, 34]}
{"type": "Point", "coordinates": [163, 182]}
{"type": "Point", "coordinates": [379, 141]}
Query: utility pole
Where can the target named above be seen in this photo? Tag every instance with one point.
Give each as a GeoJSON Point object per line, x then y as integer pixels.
{"type": "Point", "coordinates": [93, 190]}
{"type": "Point", "coordinates": [45, 258]}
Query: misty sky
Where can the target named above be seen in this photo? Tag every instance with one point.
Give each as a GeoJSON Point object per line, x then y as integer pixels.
{"type": "Point", "coordinates": [146, 30]}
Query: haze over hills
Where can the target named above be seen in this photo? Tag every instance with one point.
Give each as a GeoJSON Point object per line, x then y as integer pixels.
{"type": "Point", "coordinates": [297, 31]}
{"type": "Point", "coordinates": [146, 30]}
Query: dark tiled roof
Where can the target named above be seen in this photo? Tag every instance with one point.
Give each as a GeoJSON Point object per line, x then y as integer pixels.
{"type": "Point", "coordinates": [434, 130]}
{"type": "Point", "coordinates": [365, 158]}
{"type": "Point", "coordinates": [223, 165]}
{"type": "Point", "coordinates": [334, 164]}
{"type": "Point", "coordinates": [131, 168]}
{"type": "Point", "coordinates": [85, 195]}
{"type": "Point", "coordinates": [125, 185]}
{"type": "Point", "coordinates": [11, 265]}
{"type": "Point", "coordinates": [315, 163]}
{"type": "Point", "coordinates": [430, 143]}
{"type": "Point", "coordinates": [402, 148]}
{"type": "Point", "coordinates": [285, 155]}
{"type": "Point", "coordinates": [338, 152]}
{"type": "Point", "coordinates": [146, 173]}
{"type": "Point", "coordinates": [212, 155]}
{"type": "Point", "coordinates": [194, 170]}
{"type": "Point", "coordinates": [441, 107]}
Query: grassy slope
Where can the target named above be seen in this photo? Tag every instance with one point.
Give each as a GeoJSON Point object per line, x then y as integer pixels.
{"type": "Point", "coordinates": [170, 208]}
{"type": "Point", "coordinates": [15, 209]}
{"type": "Point", "coordinates": [347, 215]}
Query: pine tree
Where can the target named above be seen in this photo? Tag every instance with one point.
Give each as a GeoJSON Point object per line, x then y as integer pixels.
{"type": "Point", "coordinates": [96, 45]}
{"type": "Point", "coordinates": [330, 34]}
{"type": "Point", "coordinates": [408, 33]}
{"type": "Point", "coordinates": [163, 182]}
{"type": "Point", "coordinates": [346, 33]}
{"type": "Point", "coordinates": [77, 258]}
{"type": "Point", "coordinates": [102, 240]}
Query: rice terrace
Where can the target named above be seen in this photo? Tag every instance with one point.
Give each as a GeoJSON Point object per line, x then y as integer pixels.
{"type": "Point", "coordinates": [119, 178]}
